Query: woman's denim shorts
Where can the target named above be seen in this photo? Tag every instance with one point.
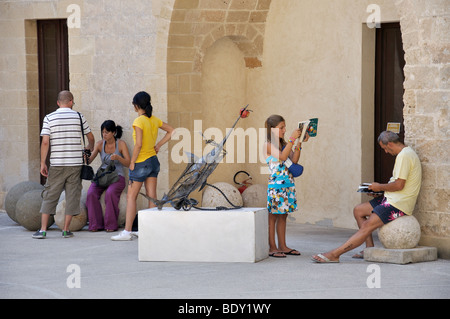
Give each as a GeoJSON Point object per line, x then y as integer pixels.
{"type": "Point", "coordinates": [144, 170]}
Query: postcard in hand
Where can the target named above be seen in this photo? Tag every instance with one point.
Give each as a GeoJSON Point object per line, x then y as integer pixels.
{"type": "Point", "coordinates": [309, 127]}
{"type": "Point", "coordinates": [364, 188]}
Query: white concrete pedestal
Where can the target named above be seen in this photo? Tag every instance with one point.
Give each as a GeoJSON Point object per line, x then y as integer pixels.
{"type": "Point", "coordinates": [203, 236]}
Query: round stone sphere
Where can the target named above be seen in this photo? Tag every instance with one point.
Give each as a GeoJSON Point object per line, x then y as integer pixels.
{"type": "Point", "coordinates": [212, 198]}
{"type": "Point", "coordinates": [402, 233]}
{"type": "Point", "coordinates": [122, 208]}
{"type": "Point", "coordinates": [78, 221]}
{"type": "Point", "coordinates": [28, 209]}
{"type": "Point", "coordinates": [15, 193]}
{"type": "Point", "coordinates": [255, 196]}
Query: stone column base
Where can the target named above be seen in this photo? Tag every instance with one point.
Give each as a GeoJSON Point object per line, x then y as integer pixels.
{"type": "Point", "coordinates": [400, 256]}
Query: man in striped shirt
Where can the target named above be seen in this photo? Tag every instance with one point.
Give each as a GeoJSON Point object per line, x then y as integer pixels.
{"type": "Point", "coordinates": [61, 134]}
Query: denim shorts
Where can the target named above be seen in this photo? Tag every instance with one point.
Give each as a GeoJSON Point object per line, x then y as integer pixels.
{"type": "Point", "coordinates": [384, 210]}
{"type": "Point", "coordinates": [144, 170]}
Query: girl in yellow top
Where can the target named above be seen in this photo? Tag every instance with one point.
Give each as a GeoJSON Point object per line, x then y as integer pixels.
{"type": "Point", "coordinates": [144, 165]}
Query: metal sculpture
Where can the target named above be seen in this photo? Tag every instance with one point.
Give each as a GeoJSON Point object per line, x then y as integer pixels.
{"type": "Point", "coordinates": [196, 174]}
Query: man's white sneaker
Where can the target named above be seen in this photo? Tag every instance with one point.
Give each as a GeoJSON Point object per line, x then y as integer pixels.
{"type": "Point", "coordinates": [123, 236]}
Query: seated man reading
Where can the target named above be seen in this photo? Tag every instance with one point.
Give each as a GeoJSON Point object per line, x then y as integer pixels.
{"type": "Point", "coordinates": [400, 196]}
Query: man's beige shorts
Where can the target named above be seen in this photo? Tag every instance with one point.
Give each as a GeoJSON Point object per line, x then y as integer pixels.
{"type": "Point", "coordinates": [62, 178]}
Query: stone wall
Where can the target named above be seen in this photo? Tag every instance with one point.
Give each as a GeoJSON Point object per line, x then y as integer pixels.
{"type": "Point", "coordinates": [119, 49]}
{"type": "Point", "coordinates": [298, 57]}
{"type": "Point", "coordinates": [301, 62]}
{"type": "Point", "coordinates": [197, 26]}
{"type": "Point", "coordinates": [426, 39]}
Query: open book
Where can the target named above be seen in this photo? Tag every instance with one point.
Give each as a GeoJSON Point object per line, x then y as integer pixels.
{"type": "Point", "coordinates": [364, 188]}
{"type": "Point", "coordinates": [309, 127]}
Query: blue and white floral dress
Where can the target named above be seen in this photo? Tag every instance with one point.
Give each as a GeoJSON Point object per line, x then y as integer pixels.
{"type": "Point", "coordinates": [281, 193]}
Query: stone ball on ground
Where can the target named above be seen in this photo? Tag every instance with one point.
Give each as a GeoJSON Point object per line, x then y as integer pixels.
{"type": "Point", "coordinates": [78, 221]}
{"type": "Point", "coordinates": [213, 198]}
{"type": "Point", "coordinates": [15, 193]}
{"type": "Point", "coordinates": [122, 208]}
{"type": "Point", "coordinates": [28, 209]}
{"type": "Point", "coordinates": [402, 233]}
{"type": "Point", "coordinates": [255, 196]}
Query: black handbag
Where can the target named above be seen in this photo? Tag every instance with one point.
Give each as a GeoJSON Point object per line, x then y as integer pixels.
{"type": "Point", "coordinates": [106, 176]}
{"type": "Point", "coordinates": [87, 172]}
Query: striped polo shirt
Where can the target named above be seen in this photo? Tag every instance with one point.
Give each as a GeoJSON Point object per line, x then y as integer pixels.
{"type": "Point", "coordinates": [64, 128]}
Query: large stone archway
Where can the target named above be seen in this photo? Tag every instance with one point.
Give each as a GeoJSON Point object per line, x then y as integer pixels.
{"type": "Point", "coordinates": [195, 26]}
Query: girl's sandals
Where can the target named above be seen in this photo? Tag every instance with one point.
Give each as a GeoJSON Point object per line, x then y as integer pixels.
{"type": "Point", "coordinates": [292, 252]}
{"type": "Point", "coordinates": [277, 254]}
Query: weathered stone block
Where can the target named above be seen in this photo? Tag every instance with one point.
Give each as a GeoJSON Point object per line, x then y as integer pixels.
{"type": "Point", "coordinates": [188, 4]}
{"type": "Point", "coordinates": [238, 16]}
{"type": "Point", "coordinates": [400, 256]}
{"type": "Point", "coordinates": [243, 5]}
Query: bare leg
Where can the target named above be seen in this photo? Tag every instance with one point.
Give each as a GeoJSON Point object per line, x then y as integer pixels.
{"type": "Point", "coordinates": [361, 213]}
{"type": "Point", "coordinates": [356, 240]}
{"type": "Point", "coordinates": [150, 189]}
{"type": "Point", "coordinates": [272, 223]}
{"type": "Point", "coordinates": [281, 232]}
{"type": "Point", "coordinates": [133, 191]}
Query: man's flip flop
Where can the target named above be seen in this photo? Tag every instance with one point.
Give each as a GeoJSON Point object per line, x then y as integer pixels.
{"type": "Point", "coordinates": [325, 260]}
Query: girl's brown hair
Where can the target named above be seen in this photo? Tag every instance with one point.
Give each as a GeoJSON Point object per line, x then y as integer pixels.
{"type": "Point", "coordinates": [272, 122]}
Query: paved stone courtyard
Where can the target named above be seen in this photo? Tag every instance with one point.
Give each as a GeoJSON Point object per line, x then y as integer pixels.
{"type": "Point", "coordinates": [90, 265]}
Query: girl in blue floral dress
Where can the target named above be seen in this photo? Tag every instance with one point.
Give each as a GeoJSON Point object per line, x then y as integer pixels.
{"type": "Point", "coordinates": [281, 194]}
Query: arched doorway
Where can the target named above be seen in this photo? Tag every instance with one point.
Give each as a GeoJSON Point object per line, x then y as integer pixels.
{"type": "Point", "coordinates": [195, 28]}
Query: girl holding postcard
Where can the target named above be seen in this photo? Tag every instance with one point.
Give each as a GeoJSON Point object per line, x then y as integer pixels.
{"type": "Point", "coordinates": [281, 193]}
